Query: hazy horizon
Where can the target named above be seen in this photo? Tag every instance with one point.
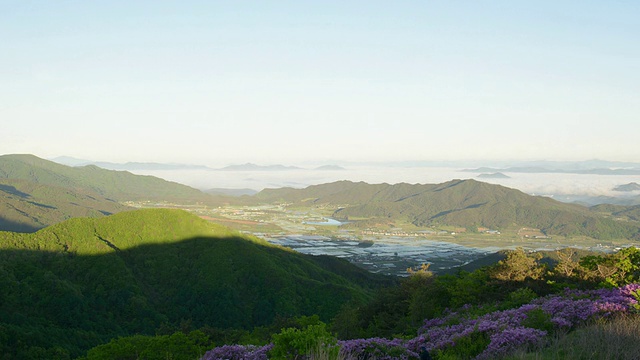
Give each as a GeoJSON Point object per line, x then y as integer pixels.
{"type": "Point", "coordinates": [568, 187]}
{"type": "Point", "coordinates": [219, 83]}
{"type": "Point", "coordinates": [218, 163]}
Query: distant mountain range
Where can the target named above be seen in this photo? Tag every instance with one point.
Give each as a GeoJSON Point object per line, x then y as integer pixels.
{"type": "Point", "coordinates": [142, 166]}
{"type": "Point", "coordinates": [561, 166]}
{"type": "Point", "coordinates": [130, 166]}
{"type": "Point", "coordinates": [464, 203]}
{"type": "Point", "coordinates": [533, 170]}
{"type": "Point", "coordinates": [82, 282]}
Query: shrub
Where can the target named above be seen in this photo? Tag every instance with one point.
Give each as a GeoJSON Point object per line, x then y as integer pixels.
{"type": "Point", "coordinates": [538, 319]}
{"type": "Point", "coordinates": [293, 343]}
{"type": "Point", "coordinates": [465, 347]}
{"type": "Point", "coordinates": [520, 297]}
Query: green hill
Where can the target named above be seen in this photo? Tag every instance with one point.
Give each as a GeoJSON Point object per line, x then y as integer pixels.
{"type": "Point", "coordinates": [82, 282]}
{"type": "Point", "coordinates": [35, 193]}
{"type": "Point", "coordinates": [464, 203]}
{"type": "Point", "coordinates": [114, 185]}
{"type": "Point", "coordinates": [26, 206]}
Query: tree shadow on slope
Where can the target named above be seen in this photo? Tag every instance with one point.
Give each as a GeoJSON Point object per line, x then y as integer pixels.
{"type": "Point", "coordinates": [14, 226]}
{"type": "Point", "coordinates": [70, 302]}
{"type": "Point", "coordinates": [11, 190]}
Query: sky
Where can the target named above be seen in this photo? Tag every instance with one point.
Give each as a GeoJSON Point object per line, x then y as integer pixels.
{"type": "Point", "coordinates": [221, 82]}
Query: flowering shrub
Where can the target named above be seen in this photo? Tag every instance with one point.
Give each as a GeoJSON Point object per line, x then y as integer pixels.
{"type": "Point", "coordinates": [489, 336]}
{"type": "Point", "coordinates": [527, 325]}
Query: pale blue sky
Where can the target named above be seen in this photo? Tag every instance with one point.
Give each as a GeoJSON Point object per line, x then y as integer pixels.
{"type": "Point", "coordinates": [214, 82]}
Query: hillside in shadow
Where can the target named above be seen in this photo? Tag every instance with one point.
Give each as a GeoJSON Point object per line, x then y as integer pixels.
{"type": "Point", "coordinates": [84, 282]}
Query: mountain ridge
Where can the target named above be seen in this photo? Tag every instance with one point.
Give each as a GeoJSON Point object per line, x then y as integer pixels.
{"type": "Point", "coordinates": [464, 203]}
{"type": "Point", "coordinates": [111, 184]}
{"type": "Point", "coordinates": [35, 193]}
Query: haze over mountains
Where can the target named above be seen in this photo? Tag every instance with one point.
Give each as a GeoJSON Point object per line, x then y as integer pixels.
{"type": "Point", "coordinates": [59, 192]}
{"type": "Point", "coordinates": [571, 170]}
{"type": "Point", "coordinates": [586, 182]}
{"type": "Point", "coordinates": [71, 161]}
{"type": "Point", "coordinates": [602, 167]}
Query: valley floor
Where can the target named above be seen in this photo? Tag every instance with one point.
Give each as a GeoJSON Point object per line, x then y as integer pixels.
{"type": "Point", "coordinates": [382, 248]}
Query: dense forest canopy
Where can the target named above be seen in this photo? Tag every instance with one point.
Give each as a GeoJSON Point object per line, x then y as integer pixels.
{"type": "Point", "coordinates": [84, 281]}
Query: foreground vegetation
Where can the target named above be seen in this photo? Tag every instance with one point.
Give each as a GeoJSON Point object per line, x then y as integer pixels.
{"type": "Point", "coordinates": [607, 339]}
{"type": "Point", "coordinates": [462, 334]}
{"type": "Point", "coordinates": [83, 282]}
{"type": "Point", "coordinates": [165, 284]}
{"type": "Point", "coordinates": [499, 311]}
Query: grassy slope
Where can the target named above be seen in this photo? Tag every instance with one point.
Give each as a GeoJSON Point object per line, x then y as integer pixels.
{"type": "Point", "coordinates": [466, 203]}
{"type": "Point", "coordinates": [84, 281]}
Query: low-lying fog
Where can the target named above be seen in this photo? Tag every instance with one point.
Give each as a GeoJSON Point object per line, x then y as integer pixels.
{"type": "Point", "coordinates": [564, 187]}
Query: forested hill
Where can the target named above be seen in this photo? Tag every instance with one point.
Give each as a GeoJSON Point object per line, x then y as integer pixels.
{"type": "Point", "coordinates": [463, 203]}
{"type": "Point", "coordinates": [26, 206]}
{"type": "Point", "coordinates": [35, 193]}
{"type": "Point", "coordinates": [82, 282]}
{"type": "Point", "coordinates": [114, 185]}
